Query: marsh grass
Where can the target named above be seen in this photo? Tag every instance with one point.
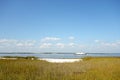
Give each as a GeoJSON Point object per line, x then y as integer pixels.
{"type": "Point", "coordinates": [88, 69]}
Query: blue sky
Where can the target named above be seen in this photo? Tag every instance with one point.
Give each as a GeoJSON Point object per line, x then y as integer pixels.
{"type": "Point", "coordinates": [60, 25]}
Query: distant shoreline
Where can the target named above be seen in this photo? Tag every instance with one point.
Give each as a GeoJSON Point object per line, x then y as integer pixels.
{"type": "Point", "coordinates": [54, 53]}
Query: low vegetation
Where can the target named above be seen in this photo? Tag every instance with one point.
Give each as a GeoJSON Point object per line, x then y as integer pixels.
{"type": "Point", "coordinates": [88, 69]}
{"type": "Point", "coordinates": [19, 57]}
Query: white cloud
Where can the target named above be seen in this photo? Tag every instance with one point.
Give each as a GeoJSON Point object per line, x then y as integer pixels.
{"type": "Point", "coordinates": [60, 45]}
{"type": "Point", "coordinates": [45, 45]}
{"type": "Point", "coordinates": [72, 44]}
{"type": "Point", "coordinates": [3, 40]}
{"type": "Point", "coordinates": [25, 43]}
{"type": "Point", "coordinates": [56, 44]}
{"type": "Point", "coordinates": [8, 41]}
{"type": "Point", "coordinates": [71, 38]}
{"type": "Point", "coordinates": [20, 44]}
{"type": "Point", "coordinates": [50, 39]}
{"type": "Point", "coordinates": [108, 44]}
{"type": "Point", "coordinates": [16, 43]}
{"type": "Point", "coordinates": [97, 41]}
{"type": "Point", "coordinates": [118, 42]}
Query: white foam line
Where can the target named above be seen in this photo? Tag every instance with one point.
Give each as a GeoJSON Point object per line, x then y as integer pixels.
{"type": "Point", "coordinates": [61, 60]}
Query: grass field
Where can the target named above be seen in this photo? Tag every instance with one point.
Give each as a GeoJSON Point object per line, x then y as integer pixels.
{"type": "Point", "coordinates": [88, 69]}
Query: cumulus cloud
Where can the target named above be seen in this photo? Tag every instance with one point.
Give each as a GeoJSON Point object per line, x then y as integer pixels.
{"type": "Point", "coordinates": [118, 42]}
{"type": "Point", "coordinates": [25, 44]}
{"type": "Point", "coordinates": [60, 45]}
{"type": "Point", "coordinates": [8, 41]}
{"type": "Point", "coordinates": [108, 44]}
{"type": "Point", "coordinates": [56, 44]}
{"type": "Point", "coordinates": [16, 43]}
{"type": "Point", "coordinates": [45, 45]}
{"type": "Point", "coordinates": [20, 44]}
{"type": "Point", "coordinates": [71, 38]}
{"type": "Point", "coordinates": [72, 44]}
{"type": "Point", "coordinates": [113, 44]}
{"type": "Point", "coordinates": [97, 41]}
{"type": "Point", "coordinates": [3, 40]}
{"type": "Point", "coordinates": [50, 39]}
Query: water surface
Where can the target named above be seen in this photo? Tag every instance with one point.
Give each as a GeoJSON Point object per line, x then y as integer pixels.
{"type": "Point", "coordinates": [61, 55]}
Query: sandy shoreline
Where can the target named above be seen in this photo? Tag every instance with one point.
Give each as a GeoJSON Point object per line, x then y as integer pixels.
{"type": "Point", "coordinates": [52, 60]}
{"type": "Point", "coordinates": [61, 60]}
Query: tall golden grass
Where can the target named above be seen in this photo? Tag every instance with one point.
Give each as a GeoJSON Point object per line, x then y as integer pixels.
{"type": "Point", "coordinates": [88, 69]}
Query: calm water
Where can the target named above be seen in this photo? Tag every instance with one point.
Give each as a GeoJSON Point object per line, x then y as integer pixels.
{"type": "Point", "coordinates": [61, 55]}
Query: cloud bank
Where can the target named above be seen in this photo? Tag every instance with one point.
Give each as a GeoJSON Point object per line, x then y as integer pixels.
{"type": "Point", "coordinates": [49, 44]}
{"type": "Point", "coordinates": [50, 39]}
